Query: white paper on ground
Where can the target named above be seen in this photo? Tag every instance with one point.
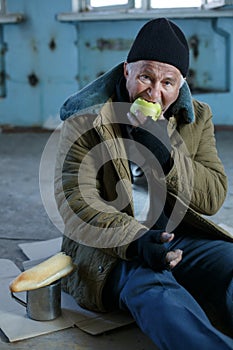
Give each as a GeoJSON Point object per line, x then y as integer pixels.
{"type": "Point", "coordinates": [42, 249]}
{"type": "Point", "coordinates": [227, 228]}
{"type": "Point", "coordinates": [13, 319]}
{"type": "Point", "coordinates": [92, 322]}
{"type": "Point", "coordinates": [17, 326]}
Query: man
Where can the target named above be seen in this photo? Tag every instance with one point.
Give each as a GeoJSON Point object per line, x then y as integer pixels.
{"type": "Point", "coordinates": [131, 192]}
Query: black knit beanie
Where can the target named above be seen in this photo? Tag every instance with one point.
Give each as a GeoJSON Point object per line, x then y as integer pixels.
{"type": "Point", "coordinates": [161, 40]}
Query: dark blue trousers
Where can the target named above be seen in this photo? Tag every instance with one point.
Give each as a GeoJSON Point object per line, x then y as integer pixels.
{"type": "Point", "coordinates": [169, 306]}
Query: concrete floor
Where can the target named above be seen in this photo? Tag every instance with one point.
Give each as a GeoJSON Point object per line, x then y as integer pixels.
{"type": "Point", "coordinates": [24, 219]}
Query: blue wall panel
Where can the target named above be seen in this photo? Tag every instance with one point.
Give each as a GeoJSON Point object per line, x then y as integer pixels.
{"type": "Point", "coordinates": [39, 48]}
{"type": "Point", "coordinates": [210, 61]}
{"type": "Point", "coordinates": [47, 60]}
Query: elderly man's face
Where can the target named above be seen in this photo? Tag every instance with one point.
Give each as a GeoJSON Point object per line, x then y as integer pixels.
{"type": "Point", "coordinates": [153, 81]}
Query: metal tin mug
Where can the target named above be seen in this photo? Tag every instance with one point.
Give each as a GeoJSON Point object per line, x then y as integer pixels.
{"type": "Point", "coordinates": [43, 304]}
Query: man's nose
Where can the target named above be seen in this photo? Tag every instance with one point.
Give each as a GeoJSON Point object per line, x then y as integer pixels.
{"type": "Point", "coordinates": [154, 93]}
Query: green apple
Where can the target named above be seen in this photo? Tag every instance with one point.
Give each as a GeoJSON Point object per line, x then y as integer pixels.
{"type": "Point", "coordinates": [149, 109]}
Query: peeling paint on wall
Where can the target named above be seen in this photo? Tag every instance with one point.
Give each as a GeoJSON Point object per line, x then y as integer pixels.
{"type": "Point", "coordinates": [116, 44]}
{"type": "Point", "coordinates": [48, 60]}
{"type": "Point", "coordinates": [33, 79]}
{"type": "Point", "coordinates": [52, 44]}
{"type": "Point", "coordinates": [194, 45]}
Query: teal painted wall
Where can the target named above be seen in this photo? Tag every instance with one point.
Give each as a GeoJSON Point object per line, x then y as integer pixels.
{"type": "Point", "coordinates": [40, 47]}
{"type": "Point", "coordinates": [47, 60]}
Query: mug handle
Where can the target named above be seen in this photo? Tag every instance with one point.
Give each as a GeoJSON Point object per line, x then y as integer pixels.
{"type": "Point", "coordinates": [21, 302]}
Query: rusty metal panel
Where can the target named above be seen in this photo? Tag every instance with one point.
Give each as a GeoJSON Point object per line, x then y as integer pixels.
{"type": "Point", "coordinates": [101, 45]}
{"type": "Point", "coordinates": [47, 60]}
{"type": "Point", "coordinates": [40, 63]}
{"type": "Point", "coordinates": [209, 47]}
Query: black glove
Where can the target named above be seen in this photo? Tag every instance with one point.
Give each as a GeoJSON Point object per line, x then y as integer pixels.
{"type": "Point", "coordinates": [153, 135]}
{"type": "Point", "coordinates": [150, 249]}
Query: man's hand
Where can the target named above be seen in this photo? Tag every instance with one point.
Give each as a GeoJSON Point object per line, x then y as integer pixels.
{"type": "Point", "coordinates": [173, 257]}
{"type": "Point", "coordinates": [154, 137]}
{"type": "Point", "coordinates": [139, 118]}
{"type": "Point", "coordinates": [150, 249]}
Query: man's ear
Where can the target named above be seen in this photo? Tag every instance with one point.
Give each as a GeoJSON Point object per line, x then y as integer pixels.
{"type": "Point", "coordinates": [126, 72]}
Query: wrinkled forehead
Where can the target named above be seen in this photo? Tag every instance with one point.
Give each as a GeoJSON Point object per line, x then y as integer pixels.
{"type": "Point", "coordinates": [156, 69]}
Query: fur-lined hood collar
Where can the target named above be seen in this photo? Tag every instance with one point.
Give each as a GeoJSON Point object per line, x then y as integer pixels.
{"type": "Point", "coordinates": [99, 91]}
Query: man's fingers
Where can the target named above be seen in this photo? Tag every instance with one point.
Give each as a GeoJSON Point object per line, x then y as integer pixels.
{"type": "Point", "coordinates": [166, 237]}
{"type": "Point", "coordinates": [136, 119]}
{"type": "Point", "coordinates": [174, 257]}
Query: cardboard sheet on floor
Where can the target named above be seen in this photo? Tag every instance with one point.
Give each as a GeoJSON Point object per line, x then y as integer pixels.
{"type": "Point", "coordinates": [227, 228]}
{"type": "Point", "coordinates": [41, 250]}
{"type": "Point", "coordinates": [13, 318]}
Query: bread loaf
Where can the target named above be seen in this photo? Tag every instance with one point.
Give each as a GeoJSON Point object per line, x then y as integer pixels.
{"type": "Point", "coordinates": [43, 274]}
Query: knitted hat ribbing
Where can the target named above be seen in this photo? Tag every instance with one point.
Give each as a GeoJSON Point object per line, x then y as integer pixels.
{"type": "Point", "coordinates": [163, 41]}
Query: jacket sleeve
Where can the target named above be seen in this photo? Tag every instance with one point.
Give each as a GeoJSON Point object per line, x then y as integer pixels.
{"type": "Point", "coordinates": [198, 176]}
{"type": "Point", "coordinates": [90, 217]}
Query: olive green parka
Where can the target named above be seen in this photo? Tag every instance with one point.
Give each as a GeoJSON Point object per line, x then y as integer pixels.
{"type": "Point", "coordinates": [93, 184]}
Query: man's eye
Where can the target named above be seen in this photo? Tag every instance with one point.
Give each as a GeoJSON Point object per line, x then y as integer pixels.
{"type": "Point", "coordinates": [168, 84]}
{"type": "Point", "coordinates": [145, 77]}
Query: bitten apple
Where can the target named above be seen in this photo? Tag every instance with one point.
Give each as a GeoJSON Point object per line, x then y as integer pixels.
{"type": "Point", "coordinates": [149, 109]}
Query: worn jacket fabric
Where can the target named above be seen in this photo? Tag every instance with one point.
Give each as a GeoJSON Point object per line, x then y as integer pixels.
{"type": "Point", "coordinates": [93, 184]}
